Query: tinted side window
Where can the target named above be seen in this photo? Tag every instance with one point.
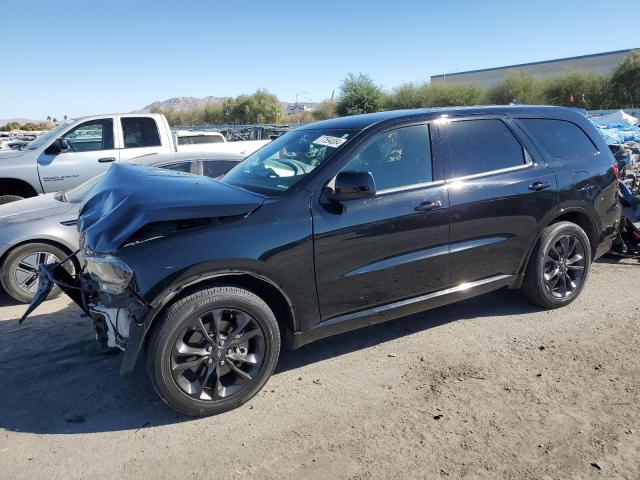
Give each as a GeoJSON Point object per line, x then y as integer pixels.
{"type": "Point", "coordinates": [479, 146]}
{"type": "Point", "coordinates": [91, 136]}
{"type": "Point", "coordinates": [397, 158]}
{"type": "Point", "coordinates": [217, 168]}
{"type": "Point", "coordinates": [140, 132]}
{"type": "Point", "coordinates": [179, 167]}
{"type": "Point", "coordinates": [559, 138]}
{"type": "Point", "coordinates": [199, 139]}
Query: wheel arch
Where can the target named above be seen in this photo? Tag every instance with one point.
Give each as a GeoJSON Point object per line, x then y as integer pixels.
{"type": "Point", "coordinates": [54, 243]}
{"type": "Point", "coordinates": [267, 289]}
{"type": "Point", "coordinates": [577, 215]}
{"type": "Point", "coordinates": [15, 186]}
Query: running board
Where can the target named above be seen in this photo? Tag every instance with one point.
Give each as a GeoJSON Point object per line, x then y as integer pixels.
{"type": "Point", "coordinates": [382, 313]}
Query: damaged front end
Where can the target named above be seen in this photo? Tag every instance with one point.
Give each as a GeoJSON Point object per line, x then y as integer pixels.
{"type": "Point", "coordinates": [130, 206]}
{"type": "Point", "coordinates": [105, 290]}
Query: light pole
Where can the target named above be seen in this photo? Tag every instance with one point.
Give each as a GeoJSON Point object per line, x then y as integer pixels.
{"type": "Point", "coordinates": [298, 106]}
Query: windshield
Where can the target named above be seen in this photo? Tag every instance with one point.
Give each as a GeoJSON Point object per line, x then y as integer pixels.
{"type": "Point", "coordinates": [45, 137]}
{"type": "Point", "coordinates": [281, 164]}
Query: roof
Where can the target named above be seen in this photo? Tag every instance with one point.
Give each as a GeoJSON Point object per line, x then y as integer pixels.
{"type": "Point", "coordinates": [542, 62]}
{"type": "Point", "coordinates": [360, 122]}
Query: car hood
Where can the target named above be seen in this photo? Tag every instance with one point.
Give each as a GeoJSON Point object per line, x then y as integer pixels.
{"type": "Point", "coordinates": [7, 154]}
{"type": "Point", "coordinates": [130, 197]}
{"type": "Point", "coordinates": [36, 208]}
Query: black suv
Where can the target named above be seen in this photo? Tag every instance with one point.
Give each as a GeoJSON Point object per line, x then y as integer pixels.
{"type": "Point", "coordinates": [334, 226]}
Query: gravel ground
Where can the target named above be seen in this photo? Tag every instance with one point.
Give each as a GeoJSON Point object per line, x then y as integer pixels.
{"type": "Point", "coordinates": [488, 388]}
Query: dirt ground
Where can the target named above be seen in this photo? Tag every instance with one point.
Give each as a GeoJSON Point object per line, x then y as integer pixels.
{"type": "Point", "coordinates": [488, 388]}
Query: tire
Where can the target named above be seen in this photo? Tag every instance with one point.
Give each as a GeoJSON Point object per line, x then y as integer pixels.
{"type": "Point", "coordinates": [198, 390]}
{"type": "Point", "coordinates": [9, 198]}
{"type": "Point", "coordinates": [538, 285]}
{"type": "Point", "coordinates": [17, 265]}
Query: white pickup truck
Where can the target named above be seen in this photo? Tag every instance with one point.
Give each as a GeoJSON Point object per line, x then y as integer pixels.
{"type": "Point", "coordinates": [74, 152]}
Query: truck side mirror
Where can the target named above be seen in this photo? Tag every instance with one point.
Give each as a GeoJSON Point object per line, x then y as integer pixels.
{"type": "Point", "coordinates": [58, 146]}
{"type": "Point", "coordinates": [351, 186]}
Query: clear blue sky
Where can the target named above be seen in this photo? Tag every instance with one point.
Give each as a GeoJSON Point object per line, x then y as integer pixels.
{"type": "Point", "coordinates": [76, 58]}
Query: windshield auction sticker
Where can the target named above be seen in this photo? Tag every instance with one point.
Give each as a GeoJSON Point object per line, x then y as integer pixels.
{"type": "Point", "coordinates": [329, 141]}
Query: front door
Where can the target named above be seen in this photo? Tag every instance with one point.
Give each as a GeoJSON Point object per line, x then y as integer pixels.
{"type": "Point", "coordinates": [392, 246]}
{"type": "Point", "coordinates": [91, 151]}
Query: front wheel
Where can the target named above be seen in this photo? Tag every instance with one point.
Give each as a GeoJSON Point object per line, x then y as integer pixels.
{"type": "Point", "coordinates": [213, 350]}
{"type": "Point", "coordinates": [559, 266]}
{"type": "Point", "coordinates": [19, 275]}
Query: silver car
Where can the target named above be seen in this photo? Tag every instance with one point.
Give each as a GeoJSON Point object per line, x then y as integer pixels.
{"type": "Point", "coordinates": [43, 229]}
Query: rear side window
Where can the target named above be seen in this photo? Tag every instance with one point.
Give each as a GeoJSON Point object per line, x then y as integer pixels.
{"type": "Point", "coordinates": [200, 139]}
{"type": "Point", "coordinates": [217, 168]}
{"type": "Point", "coordinates": [140, 132]}
{"type": "Point", "coordinates": [479, 146]}
{"type": "Point", "coordinates": [559, 138]}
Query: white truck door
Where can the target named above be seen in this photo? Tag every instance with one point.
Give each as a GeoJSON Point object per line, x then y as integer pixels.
{"type": "Point", "coordinates": [90, 152]}
{"type": "Point", "coordinates": [139, 136]}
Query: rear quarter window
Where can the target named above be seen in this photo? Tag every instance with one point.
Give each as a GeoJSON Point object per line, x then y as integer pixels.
{"type": "Point", "coordinates": [559, 137]}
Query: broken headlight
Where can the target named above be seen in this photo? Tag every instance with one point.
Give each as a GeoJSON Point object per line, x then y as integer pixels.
{"type": "Point", "coordinates": [111, 273]}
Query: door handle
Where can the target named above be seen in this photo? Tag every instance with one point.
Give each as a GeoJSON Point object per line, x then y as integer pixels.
{"type": "Point", "coordinates": [107, 159]}
{"type": "Point", "coordinates": [428, 206]}
{"type": "Point", "coordinates": [537, 186]}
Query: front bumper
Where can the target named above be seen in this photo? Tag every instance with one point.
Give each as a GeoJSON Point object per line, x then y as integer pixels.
{"type": "Point", "coordinates": [119, 320]}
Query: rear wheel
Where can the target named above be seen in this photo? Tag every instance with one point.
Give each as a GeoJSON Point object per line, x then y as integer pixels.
{"type": "Point", "coordinates": [213, 350]}
{"type": "Point", "coordinates": [559, 266]}
{"type": "Point", "coordinates": [9, 198]}
{"type": "Point", "coordinates": [19, 275]}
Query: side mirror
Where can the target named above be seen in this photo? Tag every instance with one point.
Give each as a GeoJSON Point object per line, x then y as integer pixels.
{"type": "Point", "coordinates": [58, 146]}
{"type": "Point", "coordinates": [352, 186]}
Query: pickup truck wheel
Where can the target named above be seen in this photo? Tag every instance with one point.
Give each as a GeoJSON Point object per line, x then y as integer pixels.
{"type": "Point", "coordinates": [213, 350]}
{"type": "Point", "coordinates": [559, 266]}
{"type": "Point", "coordinates": [19, 274]}
{"type": "Point", "coordinates": [9, 198]}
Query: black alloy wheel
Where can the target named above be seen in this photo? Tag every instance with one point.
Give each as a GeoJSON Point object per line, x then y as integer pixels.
{"type": "Point", "coordinates": [564, 266]}
{"type": "Point", "coordinates": [213, 350]}
{"type": "Point", "coordinates": [217, 354]}
{"type": "Point", "coordinates": [559, 266]}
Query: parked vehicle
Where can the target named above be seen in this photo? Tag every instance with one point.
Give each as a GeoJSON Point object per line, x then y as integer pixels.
{"type": "Point", "coordinates": [44, 229]}
{"type": "Point", "coordinates": [203, 141]}
{"type": "Point", "coordinates": [74, 152]}
{"type": "Point", "coordinates": [334, 226]}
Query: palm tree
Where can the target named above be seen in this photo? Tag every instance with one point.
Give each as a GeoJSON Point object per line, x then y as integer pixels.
{"type": "Point", "coordinates": [49, 120]}
{"type": "Point", "coordinates": [65, 119]}
{"type": "Point", "coordinates": [55, 120]}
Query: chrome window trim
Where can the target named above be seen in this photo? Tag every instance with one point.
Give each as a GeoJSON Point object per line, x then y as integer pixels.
{"type": "Point", "coordinates": [413, 186]}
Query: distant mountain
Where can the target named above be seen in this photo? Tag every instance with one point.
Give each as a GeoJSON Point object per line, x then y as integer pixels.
{"type": "Point", "coordinates": [4, 121]}
{"type": "Point", "coordinates": [182, 104]}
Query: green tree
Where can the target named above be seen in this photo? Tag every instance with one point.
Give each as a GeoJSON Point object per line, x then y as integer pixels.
{"type": "Point", "coordinates": [422, 95]}
{"type": "Point", "coordinates": [359, 94]}
{"type": "Point", "coordinates": [517, 88]}
{"type": "Point", "coordinates": [324, 111]}
{"type": "Point", "coordinates": [578, 89]}
{"type": "Point", "coordinates": [625, 82]}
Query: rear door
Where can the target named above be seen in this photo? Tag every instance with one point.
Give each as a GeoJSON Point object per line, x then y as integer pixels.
{"type": "Point", "coordinates": [91, 151]}
{"type": "Point", "coordinates": [392, 246]}
{"type": "Point", "coordinates": [500, 189]}
{"type": "Point", "coordinates": [138, 136]}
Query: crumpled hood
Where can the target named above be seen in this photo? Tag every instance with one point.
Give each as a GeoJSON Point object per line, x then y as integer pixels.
{"type": "Point", "coordinates": [130, 196]}
{"type": "Point", "coordinates": [34, 208]}
{"type": "Point", "coordinates": [10, 154]}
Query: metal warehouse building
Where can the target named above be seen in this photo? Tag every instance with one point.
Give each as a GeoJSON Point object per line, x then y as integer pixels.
{"type": "Point", "coordinates": [602, 63]}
